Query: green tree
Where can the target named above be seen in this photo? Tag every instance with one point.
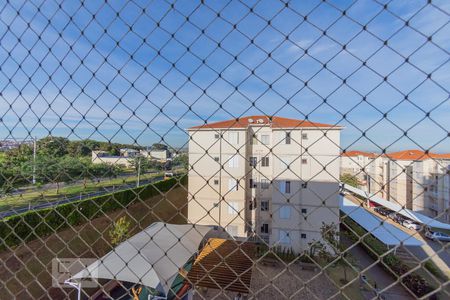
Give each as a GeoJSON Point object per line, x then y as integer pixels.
{"type": "Point", "coordinates": [181, 160]}
{"type": "Point", "coordinates": [350, 180]}
{"type": "Point", "coordinates": [53, 146]}
{"type": "Point", "coordinates": [120, 231]}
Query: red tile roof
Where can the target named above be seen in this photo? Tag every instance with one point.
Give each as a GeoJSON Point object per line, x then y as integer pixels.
{"type": "Point", "coordinates": [416, 155]}
{"type": "Point", "coordinates": [275, 122]}
{"type": "Point", "coordinates": [358, 153]}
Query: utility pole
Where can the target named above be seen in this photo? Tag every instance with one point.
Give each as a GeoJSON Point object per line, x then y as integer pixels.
{"type": "Point", "coordinates": [139, 172]}
{"type": "Point", "coordinates": [34, 161]}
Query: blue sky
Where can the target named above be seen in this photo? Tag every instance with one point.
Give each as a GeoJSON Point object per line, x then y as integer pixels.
{"type": "Point", "coordinates": [131, 71]}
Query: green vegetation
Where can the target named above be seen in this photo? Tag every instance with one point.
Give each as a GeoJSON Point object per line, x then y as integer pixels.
{"type": "Point", "coordinates": [120, 231]}
{"type": "Point", "coordinates": [57, 160]}
{"type": "Point", "coordinates": [181, 161]}
{"type": "Point", "coordinates": [60, 160]}
{"type": "Point", "coordinates": [40, 223]}
{"type": "Point", "coordinates": [58, 193]}
{"type": "Point", "coordinates": [350, 180]}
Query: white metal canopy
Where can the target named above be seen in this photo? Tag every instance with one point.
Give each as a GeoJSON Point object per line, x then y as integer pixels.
{"type": "Point", "coordinates": [385, 232]}
{"type": "Point", "coordinates": [153, 257]}
{"type": "Point", "coordinates": [413, 215]}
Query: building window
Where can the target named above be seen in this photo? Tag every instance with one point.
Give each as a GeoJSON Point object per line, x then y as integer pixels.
{"type": "Point", "coordinates": [285, 187]}
{"type": "Point", "coordinates": [304, 136]}
{"type": "Point", "coordinates": [252, 183]}
{"type": "Point", "coordinates": [303, 235]}
{"type": "Point", "coordinates": [233, 208]}
{"type": "Point", "coordinates": [233, 184]}
{"type": "Point", "coordinates": [265, 228]}
{"type": "Point", "coordinates": [265, 184]}
{"type": "Point", "coordinates": [287, 140]}
{"type": "Point", "coordinates": [284, 237]}
{"type": "Point", "coordinates": [265, 161]}
{"type": "Point", "coordinates": [216, 181]}
{"type": "Point", "coordinates": [265, 139]}
{"type": "Point", "coordinates": [264, 205]}
{"type": "Point", "coordinates": [253, 161]}
{"type": "Point", "coordinates": [216, 159]}
{"type": "Point", "coordinates": [304, 161]}
{"type": "Point", "coordinates": [233, 162]}
{"type": "Point", "coordinates": [233, 137]}
{"type": "Point", "coordinates": [285, 212]}
{"type": "Point", "coordinates": [232, 230]}
{"type": "Point", "coordinates": [217, 136]}
{"type": "Point", "coordinates": [304, 211]}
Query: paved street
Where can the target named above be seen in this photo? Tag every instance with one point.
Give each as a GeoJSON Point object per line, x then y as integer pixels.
{"type": "Point", "coordinates": [64, 199]}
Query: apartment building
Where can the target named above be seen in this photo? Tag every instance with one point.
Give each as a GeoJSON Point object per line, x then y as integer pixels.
{"type": "Point", "coordinates": [274, 178]}
{"type": "Point", "coordinates": [417, 180]}
{"type": "Point", "coordinates": [357, 163]}
{"type": "Point", "coordinates": [431, 193]}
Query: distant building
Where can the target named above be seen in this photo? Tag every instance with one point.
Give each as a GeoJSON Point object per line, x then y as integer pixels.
{"type": "Point", "coordinates": [257, 178]}
{"type": "Point", "coordinates": [357, 163]}
{"type": "Point", "coordinates": [99, 157]}
{"type": "Point", "coordinates": [412, 178]}
{"type": "Point", "coordinates": [126, 152]}
{"type": "Point", "coordinates": [160, 155]}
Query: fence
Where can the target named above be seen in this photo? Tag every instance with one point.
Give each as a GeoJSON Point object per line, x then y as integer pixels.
{"type": "Point", "coordinates": [256, 112]}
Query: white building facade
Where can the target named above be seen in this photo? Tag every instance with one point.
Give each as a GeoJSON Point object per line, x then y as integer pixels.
{"type": "Point", "coordinates": [273, 178]}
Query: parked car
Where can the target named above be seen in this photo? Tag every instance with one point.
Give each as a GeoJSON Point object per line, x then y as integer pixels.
{"type": "Point", "coordinates": [411, 225]}
{"type": "Point", "coordinates": [399, 219]}
{"type": "Point", "coordinates": [382, 211]}
{"type": "Point", "coordinates": [437, 236]}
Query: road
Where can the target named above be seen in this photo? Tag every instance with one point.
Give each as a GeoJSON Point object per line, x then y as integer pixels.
{"type": "Point", "coordinates": [53, 185]}
{"type": "Point", "coordinates": [105, 190]}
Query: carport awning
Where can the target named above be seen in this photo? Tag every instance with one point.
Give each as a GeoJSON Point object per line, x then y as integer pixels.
{"type": "Point", "coordinates": [415, 216]}
{"type": "Point", "coordinates": [385, 232]}
{"type": "Point", "coordinates": [153, 257]}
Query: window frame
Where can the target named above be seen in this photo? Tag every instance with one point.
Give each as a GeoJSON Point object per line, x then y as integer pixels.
{"type": "Point", "coordinates": [264, 205]}
{"type": "Point", "coordinates": [287, 138]}
{"type": "Point", "coordinates": [265, 162]}
{"type": "Point", "coordinates": [263, 226]}
{"type": "Point", "coordinates": [263, 137]}
{"type": "Point", "coordinates": [265, 184]}
{"type": "Point", "coordinates": [253, 161]}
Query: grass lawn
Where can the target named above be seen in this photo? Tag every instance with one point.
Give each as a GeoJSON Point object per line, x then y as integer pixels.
{"type": "Point", "coordinates": [26, 269]}
{"type": "Point", "coordinates": [49, 195]}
